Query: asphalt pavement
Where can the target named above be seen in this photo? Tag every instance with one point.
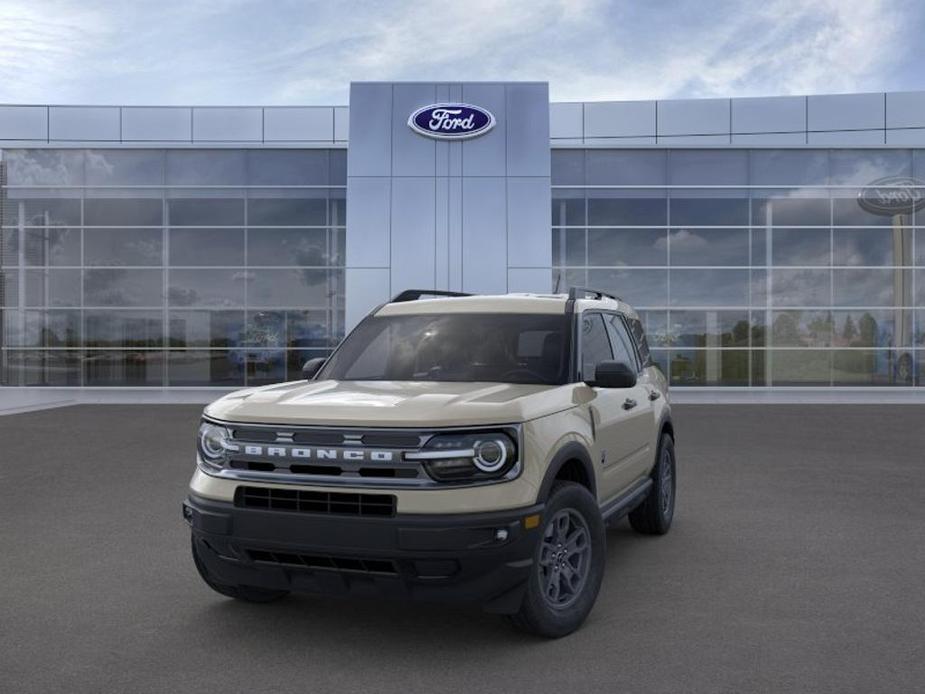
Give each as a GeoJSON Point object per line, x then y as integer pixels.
{"type": "Point", "coordinates": [796, 564]}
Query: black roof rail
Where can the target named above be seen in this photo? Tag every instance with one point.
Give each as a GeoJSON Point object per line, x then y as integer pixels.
{"type": "Point", "coordinates": [415, 294]}
{"type": "Point", "coordinates": [583, 292]}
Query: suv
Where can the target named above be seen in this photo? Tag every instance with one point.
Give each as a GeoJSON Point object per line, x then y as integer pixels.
{"type": "Point", "coordinates": [466, 448]}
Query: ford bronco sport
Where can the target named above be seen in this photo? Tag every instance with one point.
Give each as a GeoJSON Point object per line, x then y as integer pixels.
{"type": "Point", "coordinates": [466, 448]}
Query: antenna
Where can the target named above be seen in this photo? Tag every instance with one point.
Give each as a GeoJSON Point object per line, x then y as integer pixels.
{"type": "Point", "coordinates": [558, 279]}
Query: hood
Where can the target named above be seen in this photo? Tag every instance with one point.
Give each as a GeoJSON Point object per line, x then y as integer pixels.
{"type": "Point", "coordinates": [392, 403]}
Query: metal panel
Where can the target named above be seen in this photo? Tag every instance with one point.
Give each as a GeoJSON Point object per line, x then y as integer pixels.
{"type": "Point", "coordinates": [442, 232]}
{"type": "Point", "coordinates": [455, 231]}
{"type": "Point", "coordinates": [528, 224]}
{"type": "Point", "coordinates": [845, 111]}
{"type": "Point", "coordinates": [527, 116]}
{"type": "Point", "coordinates": [412, 154]}
{"type": "Point", "coordinates": [770, 139]}
{"type": "Point", "coordinates": [847, 137]}
{"type": "Point", "coordinates": [693, 117]}
{"type": "Point", "coordinates": [910, 136]}
{"type": "Point", "coordinates": [23, 123]}
{"type": "Point", "coordinates": [620, 119]}
{"type": "Point", "coordinates": [905, 110]}
{"type": "Point", "coordinates": [368, 215]}
{"type": "Point", "coordinates": [620, 141]}
{"type": "Point", "coordinates": [370, 151]}
{"type": "Point", "coordinates": [413, 260]}
{"type": "Point", "coordinates": [298, 124]}
{"type": "Point", "coordinates": [693, 140]}
{"type": "Point", "coordinates": [84, 123]}
{"type": "Point", "coordinates": [157, 124]}
{"type": "Point", "coordinates": [532, 279]}
{"type": "Point", "coordinates": [566, 120]}
{"type": "Point", "coordinates": [341, 123]}
{"type": "Point", "coordinates": [777, 114]}
{"type": "Point", "coordinates": [484, 248]}
{"type": "Point", "coordinates": [227, 124]}
{"type": "Point", "coordinates": [366, 289]}
{"type": "Point", "coordinates": [486, 155]}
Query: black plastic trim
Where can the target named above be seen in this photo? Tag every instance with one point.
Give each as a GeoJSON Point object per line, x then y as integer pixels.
{"type": "Point", "coordinates": [570, 451]}
{"type": "Point", "coordinates": [626, 502]}
{"type": "Point", "coordinates": [415, 294]}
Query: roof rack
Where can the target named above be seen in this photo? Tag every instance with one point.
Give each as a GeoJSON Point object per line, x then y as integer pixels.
{"type": "Point", "coordinates": [583, 292]}
{"type": "Point", "coordinates": [415, 294]}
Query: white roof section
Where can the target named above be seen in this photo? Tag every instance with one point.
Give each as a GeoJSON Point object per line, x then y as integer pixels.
{"type": "Point", "coordinates": [501, 303]}
{"type": "Point", "coordinates": [843, 120]}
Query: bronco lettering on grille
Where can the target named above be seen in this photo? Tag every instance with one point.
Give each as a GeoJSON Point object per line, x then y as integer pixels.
{"type": "Point", "coordinates": [347, 454]}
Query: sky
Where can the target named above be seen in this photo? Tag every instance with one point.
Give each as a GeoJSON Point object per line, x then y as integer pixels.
{"type": "Point", "coordinates": [284, 52]}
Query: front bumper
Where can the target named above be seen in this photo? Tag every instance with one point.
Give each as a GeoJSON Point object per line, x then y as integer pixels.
{"type": "Point", "coordinates": [479, 558]}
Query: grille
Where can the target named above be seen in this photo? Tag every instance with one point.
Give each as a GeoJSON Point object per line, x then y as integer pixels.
{"type": "Point", "coordinates": [324, 562]}
{"type": "Point", "coordinates": [299, 500]}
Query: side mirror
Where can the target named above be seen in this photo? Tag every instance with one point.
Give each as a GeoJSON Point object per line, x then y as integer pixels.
{"type": "Point", "coordinates": [612, 374]}
{"type": "Point", "coordinates": [312, 367]}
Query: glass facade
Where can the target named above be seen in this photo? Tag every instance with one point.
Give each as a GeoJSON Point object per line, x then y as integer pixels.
{"type": "Point", "coordinates": [169, 267]}
{"type": "Point", "coordinates": [752, 267]}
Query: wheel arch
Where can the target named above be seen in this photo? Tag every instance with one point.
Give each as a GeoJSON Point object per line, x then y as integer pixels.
{"type": "Point", "coordinates": [572, 462]}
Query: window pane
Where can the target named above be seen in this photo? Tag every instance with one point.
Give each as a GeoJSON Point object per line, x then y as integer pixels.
{"type": "Point", "coordinates": [847, 212]}
{"type": "Point", "coordinates": [265, 366]}
{"type": "Point", "coordinates": [123, 247]}
{"type": "Point", "coordinates": [623, 350]}
{"type": "Point", "coordinates": [52, 246]}
{"type": "Point", "coordinates": [709, 287]}
{"type": "Point", "coordinates": [115, 328]}
{"type": "Point", "coordinates": [265, 330]}
{"type": "Point", "coordinates": [873, 328]}
{"type": "Point", "coordinates": [637, 287]}
{"type": "Point", "coordinates": [625, 167]}
{"type": "Point", "coordinates": [202, 247]}
{"type": "Point", "coordinates": [138, 212]}
{"type": "Point", "coordinates": [709, 367]}
{"type": "Point", "coordinates": [568, 167]}
{"type": "Point", "coordinates": [798, 367]}
{"type": "Point", "coordinates": [709, 246]}
{"type": "Point", "coordinates": [42, 210]}
{"type": "Point", "coordinates": [51, 329]}
{"type": "Point", "coordinates": [288, 167]}
{"type": "Point", "coordinates": [206, 328]}
{"type": "Point", "coordinates": [52, 287]}
{"type": "Point", "coordinates": [44, 167]}
{"type": "Point", "coordinates": [113, 368]}
{"type": "Point", "coordinates": [217, 211]}
{"type": "Point", "coordinates": [861, 367]}
{"type": "Point", "coordinates": [289, 247]}
{"type": "Point", "coordinates": [296, 288]}
{"type": "Point", "coordinates": [621, 247]}
{"type": "Point", "coordinates": [726, 211]}
{"type": "Point", "coordinates": [296, 358]}
{"type": "Point", "coordinates": [206, 167]}
{"type": "Point", "coordinates": [41, 368]}
{"type": "Point", "coordinates": [800, 287]}
{"type": "Point", "coordinates": [861, 167]}
{"type": "Point", "coordinates": [788, 167]}
{"type": "Point", "coordinates": [873, 246]}
{"type": "Point", "coordinates": [205, 368]}
{"type": "Point", "coordinates": [125, 167]}
{"type": "Point", "coordinates": [801, 328]}
{"type": "Point", "coordinates": [605, 209]}
{"type": "Point", "coordinates": [123, 287]}
{"type": "Point", "coordinates": [800, 247]}
{"type": "Point", "coordinates": [595, 345]}
{"type": "Point", "coordinates": [309, 329]}
{"type": "Point", "coordinates": [568, 208]}
{"type": "Point", "coordinates": [875, 287]}
{"type": "Point", "coordinates": [9, 247]}
{"type": "Point", "coordinates": [790, 211]}
{"type": "Point", "coordinates": [709, 328]}
{"type": "Point", "coordinates": [708, 167]}
{"type": "Point", "coordinates": [288, 211]}
{"type": "Point", "coordinates": [219, 288]}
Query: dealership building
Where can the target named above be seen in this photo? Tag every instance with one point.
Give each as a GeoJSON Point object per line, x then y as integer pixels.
{"type": "Point", "coordinates": [768, 243]}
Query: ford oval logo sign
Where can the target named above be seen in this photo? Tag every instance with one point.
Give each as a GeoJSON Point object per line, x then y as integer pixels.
{"type": "Point", "coordinates": [451, 121]}
{"type": "Point", "coordinates": [893, 195]}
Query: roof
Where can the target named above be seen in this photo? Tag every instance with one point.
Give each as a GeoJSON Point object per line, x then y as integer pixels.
{"type": "Point", "coordinates": [498, 303]}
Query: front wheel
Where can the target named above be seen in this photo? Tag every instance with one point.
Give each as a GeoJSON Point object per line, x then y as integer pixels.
{"type": "Point", "coordinates": [568, 565]}
{"type": "Point", "coordinates": [653, 516]}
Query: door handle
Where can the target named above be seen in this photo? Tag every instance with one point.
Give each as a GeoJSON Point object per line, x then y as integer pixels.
{"type": "Point", "coordinates": [654, 395]}
{"type": "Point", "coordinates": [629, 404]}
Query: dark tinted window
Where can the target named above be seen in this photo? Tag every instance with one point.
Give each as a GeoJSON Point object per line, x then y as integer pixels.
{"type": "Point", "coordinates": [642, 344]}
{"type": "Point", "coordinates": [504, 348]}
{"type": "Point", "coordinates": [595, 345]}
{"type": "Point", "coordinates": [622, 346]}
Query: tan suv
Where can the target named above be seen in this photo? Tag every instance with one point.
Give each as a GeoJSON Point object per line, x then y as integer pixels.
{"type": "Point", "coordinates": [466, 448]}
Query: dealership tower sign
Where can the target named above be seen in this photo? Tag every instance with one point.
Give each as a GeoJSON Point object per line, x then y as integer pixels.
{"type": "Point", "coordinates": [451, 121]}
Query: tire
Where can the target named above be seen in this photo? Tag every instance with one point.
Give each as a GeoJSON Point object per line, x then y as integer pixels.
{"type": "Point", "coordinates": [653, 516]}
{"type": "Point", "coordinates": [244, 593]}
{"type": "Point", "coordinates": [556, 610]}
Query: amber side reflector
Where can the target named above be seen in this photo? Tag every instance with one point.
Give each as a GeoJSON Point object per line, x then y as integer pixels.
{"type": "Point", "coordinates": [531, 522]}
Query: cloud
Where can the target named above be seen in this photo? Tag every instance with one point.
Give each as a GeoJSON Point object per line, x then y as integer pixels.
{"type": "Point", "coordinates": [296, 52]}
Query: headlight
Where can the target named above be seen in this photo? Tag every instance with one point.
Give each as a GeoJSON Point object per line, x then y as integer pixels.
{"type": "Point", "coordinates": [469, 456]}
{"type": "Point", "coordinates": [214, 441]}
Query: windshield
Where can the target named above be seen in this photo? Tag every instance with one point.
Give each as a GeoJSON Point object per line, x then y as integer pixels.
{"type": "Point", "coordinates": [504, 348]}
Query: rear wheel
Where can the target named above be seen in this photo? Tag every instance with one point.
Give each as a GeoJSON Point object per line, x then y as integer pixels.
{"type": "Point", "coordinates": [245, 593]}
{"type": "Point", "coordinates": [568, 565]}
{"type": "Point", "coordinates": [653, 516]}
